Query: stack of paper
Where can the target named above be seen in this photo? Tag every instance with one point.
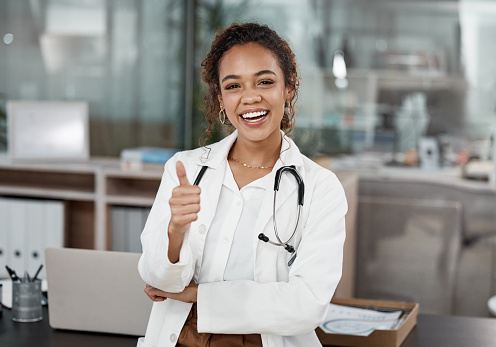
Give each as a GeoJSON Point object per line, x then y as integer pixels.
{"type": "Point", "coordinates": [134, 158]}
{"type": "Point", "coordinates": [358, 321]}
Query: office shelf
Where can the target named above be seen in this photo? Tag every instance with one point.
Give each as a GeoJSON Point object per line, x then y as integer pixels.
{"type": "Point", "coordinates": [47, 193]}
{"type": "Point", "coordinates": [89, 190]}
{"type": "Point", "coordinates": [135, 200]}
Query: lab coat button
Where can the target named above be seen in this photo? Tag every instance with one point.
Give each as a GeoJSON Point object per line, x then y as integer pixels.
{"type": "Point", "coordinates": [202, 228]}
{"type": "Point", "coordinates": [226, 240]}
{"type": "Point", "coordinates": [239, 203]}
{"type": "Point", "coordinates": [217, 279]}
{"type": "Point", "coordinates": [173, 337]}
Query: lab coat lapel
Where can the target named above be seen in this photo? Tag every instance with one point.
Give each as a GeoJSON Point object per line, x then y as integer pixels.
{"type": "Point", "coordinates": [211, 191]}
{"type": "Point", "coordinates": [215, 158]}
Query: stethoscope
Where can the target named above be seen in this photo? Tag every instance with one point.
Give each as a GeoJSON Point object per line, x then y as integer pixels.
{"type": "Point", "coordinates": [301, 192]}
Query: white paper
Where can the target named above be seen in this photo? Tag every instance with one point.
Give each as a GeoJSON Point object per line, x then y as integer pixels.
{"type": "Point", "coordinates": [357, 321]}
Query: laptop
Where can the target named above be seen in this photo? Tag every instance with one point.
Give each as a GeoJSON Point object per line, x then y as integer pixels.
{"type": "Point", "coordinates": [97, 291]}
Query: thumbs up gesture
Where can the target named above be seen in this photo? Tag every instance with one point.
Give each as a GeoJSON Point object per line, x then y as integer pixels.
{"type": "Point", "coordinates": [184, 203]}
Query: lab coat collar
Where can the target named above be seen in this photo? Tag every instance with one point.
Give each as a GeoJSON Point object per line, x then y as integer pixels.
{"type": "Point", "coordinates": [215, 155]}
{"type": "Point", "coordinates": [290, 154]}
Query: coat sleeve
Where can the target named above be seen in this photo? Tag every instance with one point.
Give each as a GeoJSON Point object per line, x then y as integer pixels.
{"type": "Point", "coordinates": [299, 305]}
{"type": "Point", "coordinates": [154, 265]}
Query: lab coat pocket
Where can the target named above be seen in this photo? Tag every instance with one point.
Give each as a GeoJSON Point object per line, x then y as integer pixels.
{"type": "Point", "coordinates": [282, 265]}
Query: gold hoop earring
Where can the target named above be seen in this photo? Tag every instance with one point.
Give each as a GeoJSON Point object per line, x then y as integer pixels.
{"type": "Point", "coordinates": [287, 109]}
{"type": "Point", "coordinates": [222, 116]}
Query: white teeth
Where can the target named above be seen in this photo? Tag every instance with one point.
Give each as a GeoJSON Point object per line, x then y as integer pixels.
{"type": "Point", "coordinates": [254, 114]}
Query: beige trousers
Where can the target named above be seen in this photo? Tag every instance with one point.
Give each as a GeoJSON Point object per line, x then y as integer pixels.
{"type": "Point", "coordinates": [190, 337]}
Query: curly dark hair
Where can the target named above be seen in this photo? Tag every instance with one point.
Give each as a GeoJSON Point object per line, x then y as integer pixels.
{"type": "Point", "coordinates": [241, 34]}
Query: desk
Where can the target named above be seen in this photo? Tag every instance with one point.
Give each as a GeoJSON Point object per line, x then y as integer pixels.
{"type": "Point", "coordinates": [452, 331]}
{"type": "Point", "coordinates": [431, 331]}
{"type": "Point", "coordinates": [40, 334]}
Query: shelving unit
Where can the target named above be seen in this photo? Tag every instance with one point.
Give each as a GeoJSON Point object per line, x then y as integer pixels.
{"type": "Point", "coordinates": [88, 189]}
{"type": "Point", "coordinates": [359, 109]}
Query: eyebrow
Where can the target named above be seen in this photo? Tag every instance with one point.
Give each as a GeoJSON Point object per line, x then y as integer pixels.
{"type": "Point", "coordinates": [259, 73]}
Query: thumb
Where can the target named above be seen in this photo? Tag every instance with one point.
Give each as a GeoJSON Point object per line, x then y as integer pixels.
{"type": "Point", "coordinates": [181, 174]}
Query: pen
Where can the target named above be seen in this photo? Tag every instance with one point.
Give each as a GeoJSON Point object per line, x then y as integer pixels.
{"type": "Point", "coordinates": [400, 320]}
{"type": "Point", "coordinates": [12, 274]}
{"type": "Point", "coordinates": [37, 273]}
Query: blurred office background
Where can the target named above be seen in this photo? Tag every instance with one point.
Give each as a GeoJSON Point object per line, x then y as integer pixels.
{"type": "Point", "coordinates": [404, 89]}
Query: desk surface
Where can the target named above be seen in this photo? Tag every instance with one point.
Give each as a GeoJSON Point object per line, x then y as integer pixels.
{"type": "Point", "coordinates": [431, 331]}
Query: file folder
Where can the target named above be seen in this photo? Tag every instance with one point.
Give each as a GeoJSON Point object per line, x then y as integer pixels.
{"type": "Point", "coordinates": [4, 237]}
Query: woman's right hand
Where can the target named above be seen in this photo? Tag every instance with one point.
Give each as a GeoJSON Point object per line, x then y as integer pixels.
{"type": "Point", "coordinates": [185, 205]}
{"type": "Point", "coordinates": [188, 295]}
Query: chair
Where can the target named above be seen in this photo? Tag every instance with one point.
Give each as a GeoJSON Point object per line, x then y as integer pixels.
{"type": "Point", "coordinates": [408, 250]}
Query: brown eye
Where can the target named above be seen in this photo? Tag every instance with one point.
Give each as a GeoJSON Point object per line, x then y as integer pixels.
{"type": "Point", "coordinates": [266, 82]}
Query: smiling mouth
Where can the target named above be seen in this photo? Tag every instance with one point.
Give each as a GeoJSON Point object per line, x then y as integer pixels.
{"type": "Point", "coordinates": [254, 116]}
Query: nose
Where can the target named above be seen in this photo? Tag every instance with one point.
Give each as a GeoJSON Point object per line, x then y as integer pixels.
{"type": "Point", "coordinates": [251, 96]}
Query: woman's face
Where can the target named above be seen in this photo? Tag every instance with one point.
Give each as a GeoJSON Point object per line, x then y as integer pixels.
{"type": "Point", "coordinates": [253, 92]}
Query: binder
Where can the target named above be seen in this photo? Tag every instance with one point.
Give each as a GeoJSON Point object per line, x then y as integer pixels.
{"type": "Point", "coordinates": [17, 233]}
{"type": "Point", "coordinates": [53, 227]}
{"type": "Point", "coordinates": [54, 223]}
{"type": "Point", "coordinates": [127, 225]}
{"type": "Point", "coordinates": [4, 236]}
{"type": "Point", "coordinates": [35, 236]}
{"type": "Point", "coordinates": [27, 227]}
{"type": "Point", "coordinates": [118, 217]}
{"type": "Point", "coordinates": [134, 227]}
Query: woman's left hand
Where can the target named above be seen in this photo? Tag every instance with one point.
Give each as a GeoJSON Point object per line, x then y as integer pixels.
{"type": "Point", "coordinates": [189, 294]}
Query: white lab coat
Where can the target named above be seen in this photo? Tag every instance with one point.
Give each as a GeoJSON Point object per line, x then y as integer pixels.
{"type": "Point", "coordinates": [284, 304]}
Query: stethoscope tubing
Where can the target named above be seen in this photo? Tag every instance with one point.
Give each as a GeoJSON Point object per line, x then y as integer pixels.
{"type": "Point", "coordinates": [301, 192]}
{"type": "Point", "coordinates": [286, 245]}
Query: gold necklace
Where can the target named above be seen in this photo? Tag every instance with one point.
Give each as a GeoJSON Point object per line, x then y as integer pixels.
{"type": "Point", "coordinates": [248, 166]}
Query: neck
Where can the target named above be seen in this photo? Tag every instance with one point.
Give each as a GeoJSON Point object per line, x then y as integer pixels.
{"type": "Point", "coordinates": [265, 153]}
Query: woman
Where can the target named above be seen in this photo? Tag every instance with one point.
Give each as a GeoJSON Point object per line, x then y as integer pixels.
{"type": "Point", "coordinates": [213, 281]}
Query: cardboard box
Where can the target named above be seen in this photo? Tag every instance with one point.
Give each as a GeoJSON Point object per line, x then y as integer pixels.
{"type": "Point", "coordinates": [378, 338]}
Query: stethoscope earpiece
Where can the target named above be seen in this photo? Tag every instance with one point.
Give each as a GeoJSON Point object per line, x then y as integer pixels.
{"type": "Point", "coordinates": [289, 248]}
{"type": "Point", "coordinates": [263, 238]}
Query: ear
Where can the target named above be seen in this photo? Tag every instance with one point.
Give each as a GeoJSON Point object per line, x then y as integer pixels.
{"type": "Point", "coordinates": [219, 97]}
{"type": "Point", "coordinates": [289, 93]}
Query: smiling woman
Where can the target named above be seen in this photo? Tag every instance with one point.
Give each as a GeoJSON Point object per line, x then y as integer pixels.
{"type": "Point", "coordinates": [253, 94]}
{"type": "Point", "coordinates": [241, 35]}
{"type": "Point", "coordinates": [206, 247]}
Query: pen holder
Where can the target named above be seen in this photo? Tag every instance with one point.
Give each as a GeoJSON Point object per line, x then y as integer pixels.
{"type": "Point", "coordinates": [26, 301]}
